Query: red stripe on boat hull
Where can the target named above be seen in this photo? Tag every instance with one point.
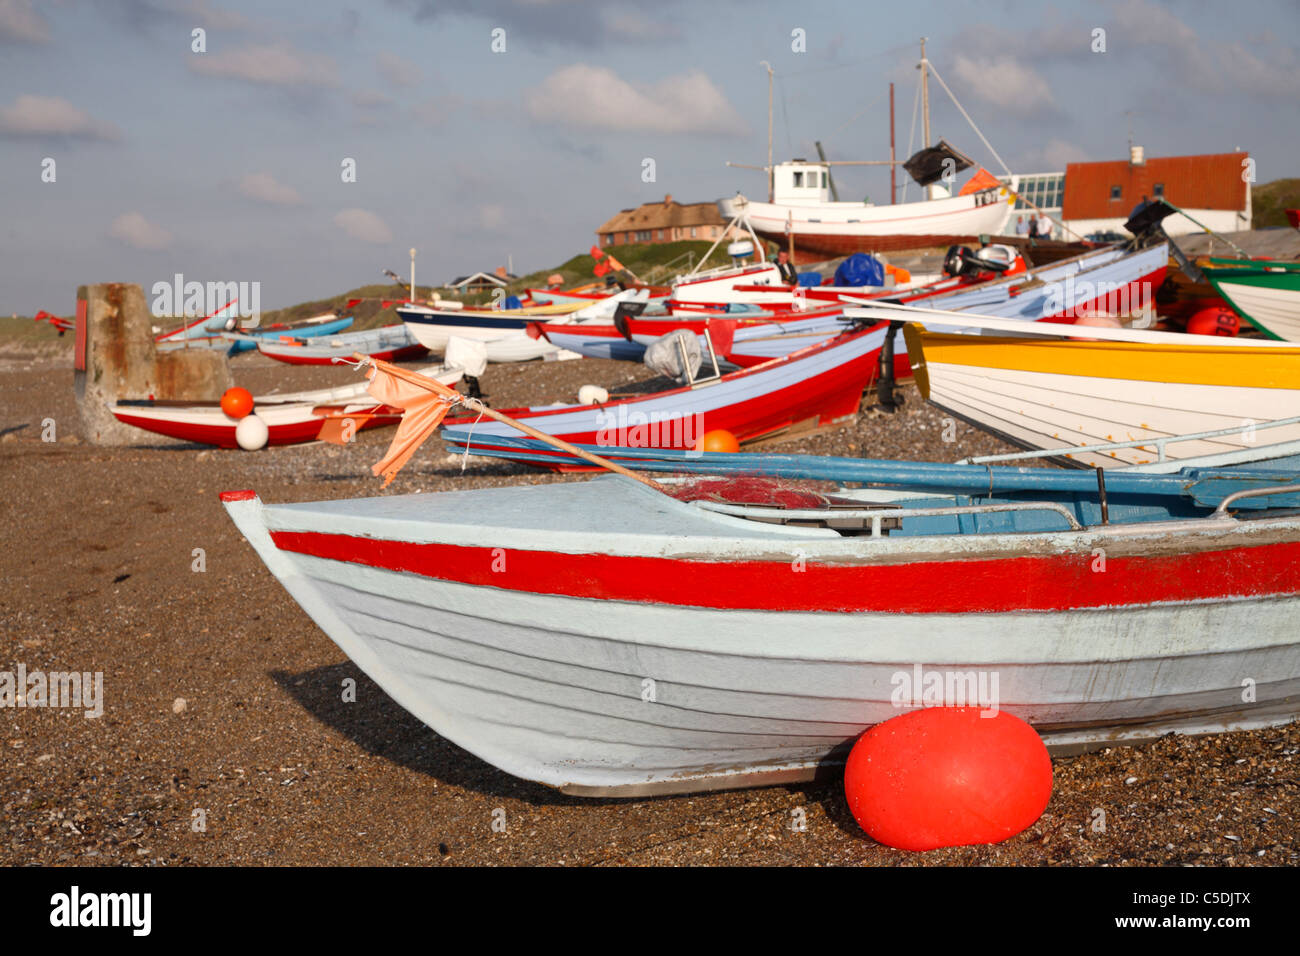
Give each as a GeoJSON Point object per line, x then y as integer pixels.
{"type": "Point", "coordinates": [388, 355]}
{"type": "Point", "coordinates": [1053, 582]}
{"type": "Point", "coordinates": [223, 436]}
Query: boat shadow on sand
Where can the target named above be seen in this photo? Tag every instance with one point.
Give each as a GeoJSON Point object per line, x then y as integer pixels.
{"type": "Point", "coordinates": [379, 725]}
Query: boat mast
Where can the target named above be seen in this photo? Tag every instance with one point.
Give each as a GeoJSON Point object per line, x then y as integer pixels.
{"type": "Point", "coordinates": [925, 106]}
{"type": "Point", "coordinates": [893, 170]}
{"type": "Point", "coordinates": [770, 179]}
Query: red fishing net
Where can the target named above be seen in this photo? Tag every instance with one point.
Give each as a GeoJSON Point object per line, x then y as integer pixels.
{"type": "Point", "coordinates": [756, 490]}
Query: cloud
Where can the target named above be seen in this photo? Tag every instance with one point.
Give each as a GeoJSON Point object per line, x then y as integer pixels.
{"type": "Point", "coordinates": [628, 23]}
{"type": "Point", "coordinates": [264, 188]}
{"type": "Point", "coordinates": [397, 70]}
{"type": "Point", "coordinates": [565, 22]}
{"type": "Point", "coordinates": [1004, 82]}
{"type": "Point", "coordinates": [363, 225]}
{"type": "Point", "coordinates": [163, 16]}
{"type": "Point", "coordinates": [50, 116]}
{"type": "Point", "coordinates": [215, 18]}
{"type": "Point", "coordinates": [370, 99]}
{"type": "Point", "coordinates": [1265, 68]}
{"type": "Point", "coordinates": [492, 217]}
{"type": "Point", "coordinates": [1052, 156]}
{"type": "Point", "coordinates": [20, 23]}
{"type": "Point", "coordinates": [596, 98]}
{"type": "Point", "coordinates": [269, 65]}
{"type": "Point", "coordinates": [435, 110]}
{"type": "Point", "coordinates": [135, 230]}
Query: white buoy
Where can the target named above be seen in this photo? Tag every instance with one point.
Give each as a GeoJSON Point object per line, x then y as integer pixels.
{"type": "Point", "coordinates": [251, 433]}
{"type": "Point", "coordinates": [592, 395]}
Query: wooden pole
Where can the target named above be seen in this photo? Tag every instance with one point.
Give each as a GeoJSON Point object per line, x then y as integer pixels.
{"type": "Point", "coordinates": [925, 106]}
{"type": "Point", "coordinates": [474, 404]}
{"type": "Point", "coordinates": [893, 170]}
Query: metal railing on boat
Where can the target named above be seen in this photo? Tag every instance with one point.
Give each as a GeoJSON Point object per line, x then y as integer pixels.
{"type": "Point", "coordinates": [1264, 451]}
{"type": "Point", "coordinates": [1222, 510]}
{"type": "Point", "coordinates": [878, 515]}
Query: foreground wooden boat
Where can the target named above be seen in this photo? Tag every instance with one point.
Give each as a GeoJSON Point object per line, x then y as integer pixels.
{"type": "Point", "coordinates": [1265, 292]}
{"type": "Point", "coordinates": [1045, 391]}
{"type": "Point", "coordinates": [605, 639]}
{"type": "Point", "coordinates": [291, 417]}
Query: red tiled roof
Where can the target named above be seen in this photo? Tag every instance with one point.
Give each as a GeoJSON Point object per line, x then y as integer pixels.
{"type": "Point", "coordinates": [1192, 182]}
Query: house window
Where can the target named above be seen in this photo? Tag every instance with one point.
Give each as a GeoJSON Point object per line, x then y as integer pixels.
{"type": "Point", "coordinates": [609, 238]}
{"type": "Point", "coordinates": [693, 228]}
{"type": "Point", "coordinates": [825, 179]}
{"type": "Point", "coordinates": [798, 180]}
{"type": "Point", "coordinates": [1115, 192]}
{"type": "Point", "coordinates": [661, 234]}
{"type": "Point", "coordinates": [1159, 190]}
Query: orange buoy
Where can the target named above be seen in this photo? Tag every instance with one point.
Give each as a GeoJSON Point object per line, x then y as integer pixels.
{"type": "Point", "coordinates": [717, 440]}
{"type": "Point", "coordinates": [1214, 320]}
{"type": "Point", "coordinates": [237, 402]}
{"type": "Point", "coordinates": [947, 776]}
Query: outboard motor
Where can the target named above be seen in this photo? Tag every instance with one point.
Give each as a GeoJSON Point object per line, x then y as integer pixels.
{"type": "Point", "coordinates": [996, 258]}
{"type": "Point", "coordinates": [959, 261]}
{"type": "Point", "coordinates": [1146, 224]}
{"type": "Point", "coordinates": [621, 313]}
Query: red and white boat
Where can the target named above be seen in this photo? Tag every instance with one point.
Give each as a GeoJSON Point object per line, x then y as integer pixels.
{"type": "Point", "coordinates": [290, 417]}
{"type": "Point", "coordinates": [609, 640]}
{"type": "Point", "coordinates": [816, 387]}
{"type": "Point", "coordinates": [801, 206]}
{"type": "Point", "coordinates": [392, 343]}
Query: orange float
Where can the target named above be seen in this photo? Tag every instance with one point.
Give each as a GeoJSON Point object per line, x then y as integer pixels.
{"type": "Point", "coordinates": [1214, 320]}
{"type": "Point", "coordinates": [947, 776]}
{"type": "Point", "coordinates": [237, 402]}
{"type": "Point", "coordinates": [718, 440]}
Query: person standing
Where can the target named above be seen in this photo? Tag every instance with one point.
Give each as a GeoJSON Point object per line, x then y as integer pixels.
{"type": "Point", "coordinates": [1044, 226]}
{"type": "Point", "coordinates": [1022, 227]}
{"type": "Point", "coordinates": [1033, 227]}
{"type": "Point", "coordinates": [788, 274]}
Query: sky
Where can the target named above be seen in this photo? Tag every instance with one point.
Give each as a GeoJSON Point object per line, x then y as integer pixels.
{"type": "Point", "coordinates": [487, 132]}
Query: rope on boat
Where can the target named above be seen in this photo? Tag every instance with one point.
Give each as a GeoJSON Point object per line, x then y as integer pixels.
{"type": "Point", "coordinates": [464, 459]}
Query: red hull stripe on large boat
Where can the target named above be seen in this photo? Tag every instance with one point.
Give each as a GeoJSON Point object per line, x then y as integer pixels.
{"type": "Point", "coordinates": [1053, 582]}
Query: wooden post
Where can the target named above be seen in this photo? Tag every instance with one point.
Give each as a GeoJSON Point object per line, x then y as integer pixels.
{"type": "Point", "coordinates": [120, 361]}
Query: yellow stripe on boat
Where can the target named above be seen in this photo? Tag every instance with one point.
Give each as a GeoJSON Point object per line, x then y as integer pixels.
{"type": "Point", "coordinates": [1132, 361]}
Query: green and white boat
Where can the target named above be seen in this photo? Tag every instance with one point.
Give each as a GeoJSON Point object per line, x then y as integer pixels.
{"type": "Point", "coordinates": [1264, 291]}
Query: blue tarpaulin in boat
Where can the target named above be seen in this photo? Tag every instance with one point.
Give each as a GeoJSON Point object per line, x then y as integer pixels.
{"type": "Point", "coordinates": [810, 279]}
{"type": "Point", "coordinates": [512, 302]}
{"type": "Point", "coordinates": [860, 269]}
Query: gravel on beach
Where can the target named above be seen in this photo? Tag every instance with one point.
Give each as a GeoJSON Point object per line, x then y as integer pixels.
{"type": "Point", "coordinates": [224, 737]}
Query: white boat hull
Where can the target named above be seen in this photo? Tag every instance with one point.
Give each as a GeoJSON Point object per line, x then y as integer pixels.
{"type": "Point", "coordinates": [620, 697]}
{"type": "Point", "coordinates": [1276, 310]}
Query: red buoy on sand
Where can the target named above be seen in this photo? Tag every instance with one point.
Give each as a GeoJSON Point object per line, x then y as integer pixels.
{"type": "Point", "coordinates": [946, 776]}
{"type": "Point", "coordinates": [237, 402]}
{"type": "Point", "coordinates": [718, 440]}
{"type": "Point", "coordinates": [1214, 320]}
